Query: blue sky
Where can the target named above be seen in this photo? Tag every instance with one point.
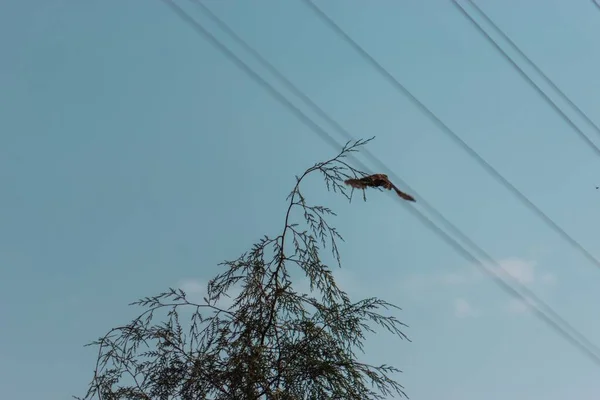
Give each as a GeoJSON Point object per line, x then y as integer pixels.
{"type": "Point", "coordinates": [134, 157]}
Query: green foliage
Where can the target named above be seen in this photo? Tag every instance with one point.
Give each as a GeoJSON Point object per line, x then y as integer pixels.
{"type": "Point", "coordinates": [272, 342]}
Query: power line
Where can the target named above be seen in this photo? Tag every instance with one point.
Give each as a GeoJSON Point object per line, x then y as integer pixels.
{"type": "Point", "coordinates": [445, 129]}
{"type": "Point", "coordinates": [547, 98]}
{"type": "Point", "coordinates": [538, 70]}
{"type": "Point", "coordinates": [339, 129]}
{"type": "Point", "coordinates": [561, 327]}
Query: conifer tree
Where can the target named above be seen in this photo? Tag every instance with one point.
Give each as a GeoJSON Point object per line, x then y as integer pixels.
{"type": "Point", "coordinates": [271, 342]}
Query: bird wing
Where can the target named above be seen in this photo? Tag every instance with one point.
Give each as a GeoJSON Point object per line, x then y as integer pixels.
{"type": "Point", "coordinates": [377, 180]}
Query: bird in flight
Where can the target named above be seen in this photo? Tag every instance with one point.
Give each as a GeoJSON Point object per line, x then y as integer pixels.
{"type": "Point", "coordinates": [377, 180]}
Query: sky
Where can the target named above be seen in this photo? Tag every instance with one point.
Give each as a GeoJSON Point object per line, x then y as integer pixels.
{"type": "Point", "coordinates": [135, 157]}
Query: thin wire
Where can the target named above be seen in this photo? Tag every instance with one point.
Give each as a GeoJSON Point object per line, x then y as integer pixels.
{"type": "Point", "coordinates": [342, 131]}
{"type": "Point", "coordinates": [538, 70]}
{"type": "Point", "coordinates": [583, 344]}
{"type": "Point", "coordinates": [444, 128]}
{"type": "Point", "coordinates": [548, 100]}
{"type": "Point", "coordinates": [256, 77]}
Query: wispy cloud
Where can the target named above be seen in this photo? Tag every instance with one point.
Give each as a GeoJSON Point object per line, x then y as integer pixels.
{"type": "Point", "coordinates": [196, 290]}
{"type": "Point", "coordinates": [193, 287]}
{"type": "Point", "coordinates": [520, 270]}
{"type": "Point", "coordinates": [517, 306]}
{"type": "Point", "coordinates": [524, 272]}
{"type": "Point", "coordinates": [458, 282]}
{"type": "Point", "coordinates": [464, 309]}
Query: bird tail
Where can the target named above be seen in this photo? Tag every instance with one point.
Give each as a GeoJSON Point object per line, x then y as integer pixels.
{"type": "Point", "coordinates": [405, 196]}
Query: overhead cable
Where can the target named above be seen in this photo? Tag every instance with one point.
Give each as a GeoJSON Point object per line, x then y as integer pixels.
{"type": "Point", "coordinates": [566, 331]}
